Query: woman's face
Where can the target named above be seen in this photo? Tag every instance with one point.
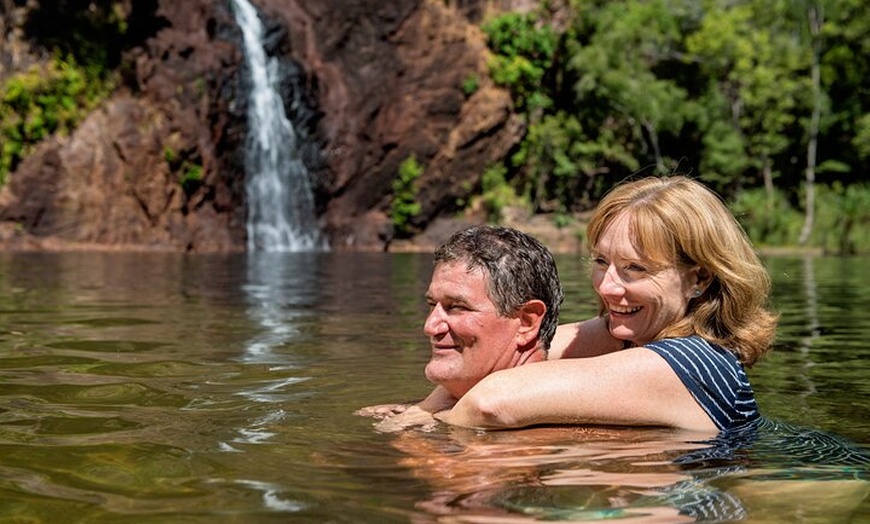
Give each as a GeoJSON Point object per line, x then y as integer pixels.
{"type": "Point", "coordinates": [641, 297]}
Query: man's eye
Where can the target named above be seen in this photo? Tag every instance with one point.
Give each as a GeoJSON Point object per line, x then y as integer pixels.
{"type": "Point", "coordinates": [456, 307]}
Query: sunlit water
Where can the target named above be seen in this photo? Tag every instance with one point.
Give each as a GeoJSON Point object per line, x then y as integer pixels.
{"type": "Point", "coordinates": [173, 388]}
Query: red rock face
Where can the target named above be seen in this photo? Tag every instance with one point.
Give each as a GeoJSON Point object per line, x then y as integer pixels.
{"type": "Point", "coordinates": [384, 81]}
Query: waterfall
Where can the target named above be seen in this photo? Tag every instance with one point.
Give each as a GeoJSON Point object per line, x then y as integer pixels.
{"type": "Point", "coordinates": [281, 213]}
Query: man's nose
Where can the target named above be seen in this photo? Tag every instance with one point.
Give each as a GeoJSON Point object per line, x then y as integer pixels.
{"type": "Point", "coordinates": [435, 321]}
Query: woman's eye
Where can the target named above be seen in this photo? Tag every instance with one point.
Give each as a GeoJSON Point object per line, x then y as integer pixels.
{"type": "Point", "coordinates": [635, 268]}
{"type": "Point", "coordinates": [599, 261]}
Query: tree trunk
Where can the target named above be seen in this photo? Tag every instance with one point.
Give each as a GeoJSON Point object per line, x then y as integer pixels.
{"type": "Point", "coordinates": [767, 173]}
{"type": "Point", "coordinates": [815, 18]}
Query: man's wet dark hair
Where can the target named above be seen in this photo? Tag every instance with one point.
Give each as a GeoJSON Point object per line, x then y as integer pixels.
{"type": "Point", "coordinates": [519, 268]}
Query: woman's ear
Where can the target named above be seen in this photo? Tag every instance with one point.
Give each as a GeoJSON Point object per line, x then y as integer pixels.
{"type": "Point", "coordinates": [702, 278]}
{"type": "Point", "coordinates": [530, 315]}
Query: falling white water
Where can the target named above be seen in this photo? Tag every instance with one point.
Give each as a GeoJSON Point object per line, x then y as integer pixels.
{"type": "Point", "coordinates": [280, 199]}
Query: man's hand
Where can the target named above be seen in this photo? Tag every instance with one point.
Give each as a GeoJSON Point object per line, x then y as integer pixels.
{"type": "Point", "coordinates": [411, 417]}
{"type": "Point", "coordinates": [396, 417]}
{"type": "Point", "coordinates": [382, 411]}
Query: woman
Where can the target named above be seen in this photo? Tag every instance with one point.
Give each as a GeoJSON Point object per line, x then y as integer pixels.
{"type": "Point", "coordinates": [684, 307]}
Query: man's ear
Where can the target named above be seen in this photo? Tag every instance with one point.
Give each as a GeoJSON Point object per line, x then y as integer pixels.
{"type": "Point", "coordinates": [530, 315]}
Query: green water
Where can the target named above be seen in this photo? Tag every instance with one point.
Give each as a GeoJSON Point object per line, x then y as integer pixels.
{"type": "Point", "coordinates": [176, 388]}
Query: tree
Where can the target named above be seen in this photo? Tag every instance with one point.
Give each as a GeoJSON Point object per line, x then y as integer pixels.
{"type": "Point", "coordinates": [626, 73]}
{"type": "Point", "coordinates": [816, 19]}
{"type": "Point", "coordinates": [753, 65]}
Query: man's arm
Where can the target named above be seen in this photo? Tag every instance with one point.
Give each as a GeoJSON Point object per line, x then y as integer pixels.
{"type": "Point", "coordinates": [438, 400]}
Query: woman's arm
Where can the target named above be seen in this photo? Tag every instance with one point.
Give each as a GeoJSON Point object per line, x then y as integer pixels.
{"type": "Point", "coordinates": [630, 387]}
{"type": "Point", "coordinates": [587, 338]}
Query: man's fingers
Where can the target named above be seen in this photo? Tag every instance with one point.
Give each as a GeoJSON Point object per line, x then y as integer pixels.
{"type": "Point", "coordinates": [382, 410]}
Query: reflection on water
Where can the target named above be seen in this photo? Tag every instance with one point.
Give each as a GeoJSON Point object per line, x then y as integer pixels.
{"type": "Point", "coordinates": [641, 475]}
{"type": "Point", "coordinates": [280, 288]}
{"type": "Point", "coordinates": [172, 388]}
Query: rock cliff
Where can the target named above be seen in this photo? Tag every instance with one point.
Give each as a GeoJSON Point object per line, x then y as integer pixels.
{"type": "Point", "coordinates": [371, 84]}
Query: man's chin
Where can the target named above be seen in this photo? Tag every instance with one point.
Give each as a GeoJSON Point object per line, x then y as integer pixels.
{"type": "Point", "coordinates": [445, 378]}
{"type": "Point", "coordinates": [436, 376]}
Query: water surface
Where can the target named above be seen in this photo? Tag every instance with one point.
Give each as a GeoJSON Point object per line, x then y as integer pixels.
{"type": "Point", "coordinates": [205, 388]}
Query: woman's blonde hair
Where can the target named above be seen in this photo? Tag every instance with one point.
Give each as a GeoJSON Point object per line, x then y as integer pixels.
{"type": "Point", "coordinates": [676, 221]}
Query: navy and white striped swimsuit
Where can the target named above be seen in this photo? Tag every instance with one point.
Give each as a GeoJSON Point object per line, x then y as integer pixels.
{"type": "Point", "coordinates": [714, 376]}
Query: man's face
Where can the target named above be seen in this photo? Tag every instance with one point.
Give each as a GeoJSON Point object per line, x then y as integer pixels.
{"type": "Point", "coordinates": [469, 339]}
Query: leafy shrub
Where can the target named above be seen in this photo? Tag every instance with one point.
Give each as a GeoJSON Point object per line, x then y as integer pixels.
{"type": "Point", "coordinates": [841, 226]}
{"type": "Point", "coordinates": [523, 53]}
{"type": "Point", "coordinates": [497, 194]}
{"type": "Point", "coordinates": [843, 218]}
{"type": "Point", "coordinates": [405, 206]}
{"type": "Point", "coordinates": [768, 219]}
{"type": "Point", "coordinates": [470, 85]}
{"type": "Point", "coordinates": [40, 102]}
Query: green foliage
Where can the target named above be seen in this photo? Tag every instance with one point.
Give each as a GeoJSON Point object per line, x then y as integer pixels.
{"type": "Point", "coordinates": [93, 33]}
{"type": "Point", "coordinates": [843, 218]}
{"type": "Point", "coordinates": [861, 141]}
{"type": "Point", "coordinates": [721, 89]}
{"type": "Point", "coordinates": [523, 52]}
{"type": "Point", "coordinates": [755, 67]}
{"type": "Point", "coordinates": [559, 158]}
{"type": "Point", "coordinates": [85, 42]}
{"type": "Point", "coordinates": [497, 194]}
{"type": "Point", "coordinates": [43, 101]}
{"type": "Point", "coordinates": [768, 218]}
{"type": "Point", "coordinates": [725, 158]}
{"type": "Point", "coordinates": [470, 85]}
{"type": "Point", "coordinates": [188, 167]}
{"type": "Point", "coordinates": [562, 220]}
{"type": "Point", "coordinates": [191, 178]}
{"type": "Point", "coordinates": [631, 46]}
{"type": "Point", "coordinates": [405, 206]}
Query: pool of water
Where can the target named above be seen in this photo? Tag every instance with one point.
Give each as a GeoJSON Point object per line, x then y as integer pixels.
{"type": "Point", "coordinates": [142, 387]}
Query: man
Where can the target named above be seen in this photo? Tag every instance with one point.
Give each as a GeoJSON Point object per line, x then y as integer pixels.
{"type": "Point", "coordinates": [494, 301]}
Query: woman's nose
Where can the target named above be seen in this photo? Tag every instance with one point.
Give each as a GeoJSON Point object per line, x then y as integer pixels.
{"type": "Point", "coordinates": [611, 283]}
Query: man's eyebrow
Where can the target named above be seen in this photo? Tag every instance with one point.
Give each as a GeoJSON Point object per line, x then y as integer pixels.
{"type": "Point", "coordinates": [448, 298]}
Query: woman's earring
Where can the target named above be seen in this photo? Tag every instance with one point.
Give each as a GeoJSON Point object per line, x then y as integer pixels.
{"type": "Point", "coordinates": [696, 293]}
